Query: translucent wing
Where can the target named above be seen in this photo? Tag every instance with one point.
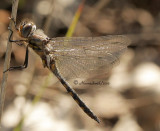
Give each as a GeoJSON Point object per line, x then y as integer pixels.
{"type": "Point", "coordinates": [83, 56]}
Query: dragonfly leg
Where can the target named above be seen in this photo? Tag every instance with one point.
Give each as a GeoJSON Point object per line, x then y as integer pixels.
{"type": "Point", "coordinates": [21, 66]}
{"type": "Point", "coordinates": [16, 41]}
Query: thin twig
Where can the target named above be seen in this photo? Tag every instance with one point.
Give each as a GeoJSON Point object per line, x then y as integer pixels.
{"type": "Point", "coordinates": [7, 59]}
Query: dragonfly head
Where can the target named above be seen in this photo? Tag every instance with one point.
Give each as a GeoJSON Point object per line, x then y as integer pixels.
{"type": "Point", "coordinates": [26, 29]}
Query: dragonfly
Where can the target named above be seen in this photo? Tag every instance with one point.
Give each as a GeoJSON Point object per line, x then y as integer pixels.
{"type": "Point", "coordinates": [73, 57]}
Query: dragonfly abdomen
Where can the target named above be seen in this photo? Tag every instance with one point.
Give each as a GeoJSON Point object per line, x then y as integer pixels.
{"type": "Point", "coordinates": [75, 96]}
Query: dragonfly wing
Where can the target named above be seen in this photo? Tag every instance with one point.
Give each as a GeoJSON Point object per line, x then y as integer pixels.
{"type": "Point", "coordinates": [81, 68]}
{"type": "Point", "coordinates": [81, 57]}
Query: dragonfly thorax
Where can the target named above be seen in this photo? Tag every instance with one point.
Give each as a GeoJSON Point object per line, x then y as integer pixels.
{"type": "Point", "coordinates": [26, 29]}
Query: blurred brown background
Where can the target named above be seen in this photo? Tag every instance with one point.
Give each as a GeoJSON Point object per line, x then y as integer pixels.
{"type": "Point", "coordinates": [131, 102]}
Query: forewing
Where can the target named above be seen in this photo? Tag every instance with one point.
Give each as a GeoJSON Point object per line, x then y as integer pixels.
{"type": "Point", "coordinates": [81, 57]}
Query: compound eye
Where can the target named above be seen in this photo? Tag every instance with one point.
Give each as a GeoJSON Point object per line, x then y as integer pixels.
{"type": "Point", "coordinates": [26, 30]}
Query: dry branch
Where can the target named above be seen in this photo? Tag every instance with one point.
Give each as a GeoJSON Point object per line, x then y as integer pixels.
{"type": "Point", "coordinates": [7, 59]}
